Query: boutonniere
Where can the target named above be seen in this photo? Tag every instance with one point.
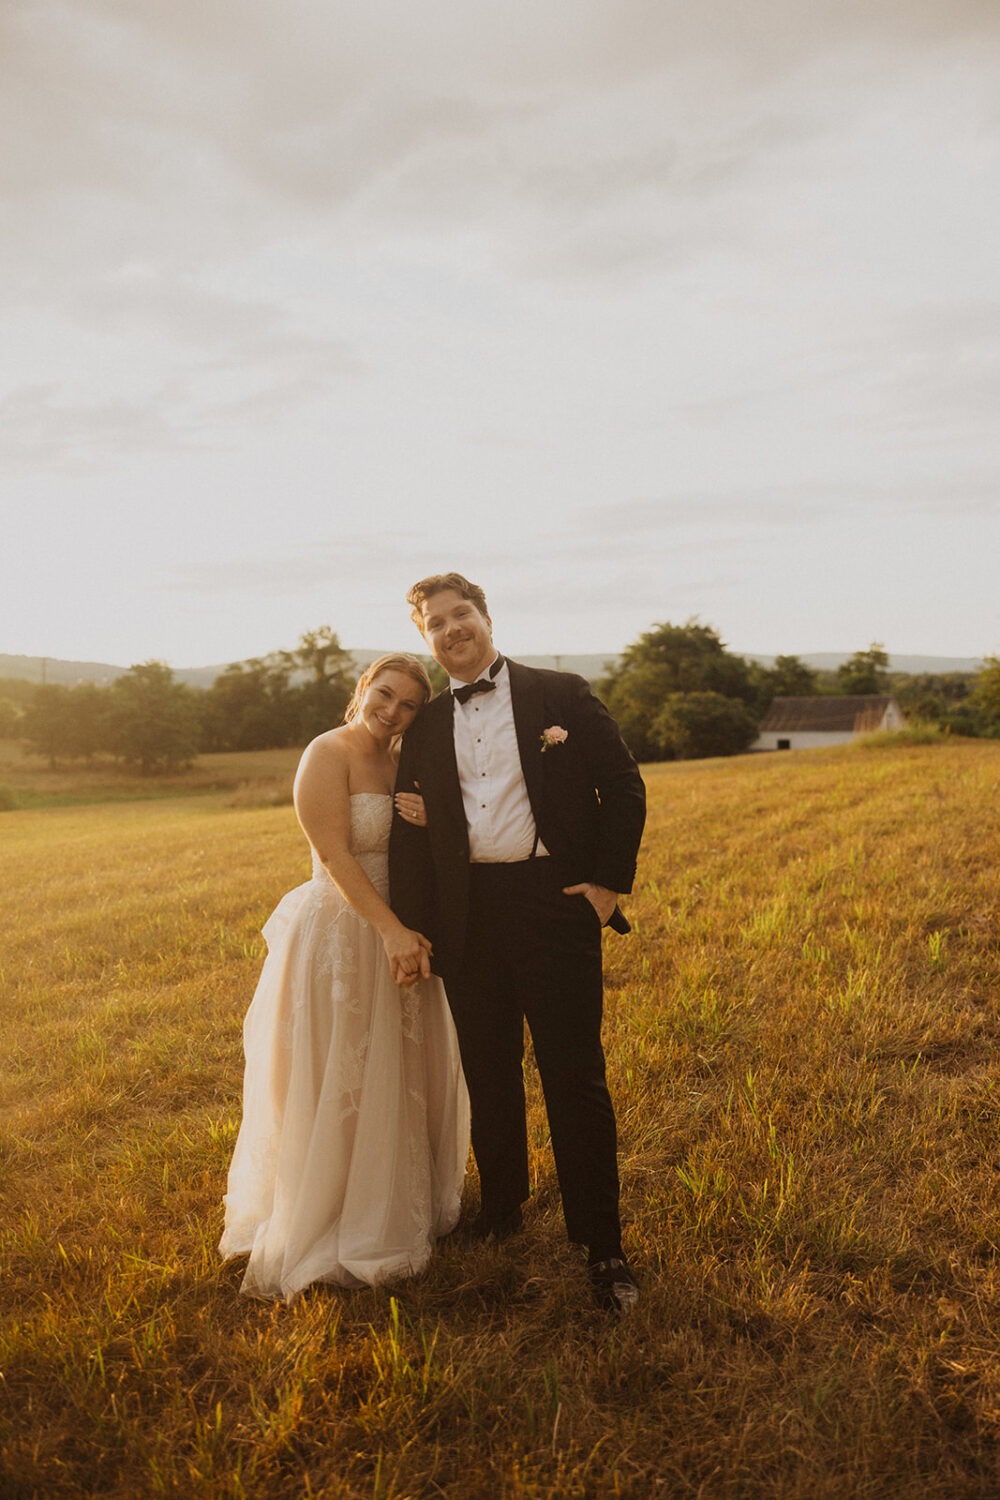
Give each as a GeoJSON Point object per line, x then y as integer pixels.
{"type": "Point", "coordinates": [554, 735]}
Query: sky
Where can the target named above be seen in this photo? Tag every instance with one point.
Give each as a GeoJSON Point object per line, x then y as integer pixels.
{"type": "Point", "coordinates": [632, 312]}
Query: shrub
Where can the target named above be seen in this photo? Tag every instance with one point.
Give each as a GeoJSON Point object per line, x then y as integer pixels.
{"type": "Point", "coordinates": [691, 726]}
{"type": "Point", "coordinates": [917, 732]}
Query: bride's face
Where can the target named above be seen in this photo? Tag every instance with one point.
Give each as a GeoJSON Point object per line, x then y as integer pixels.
{"type": "Point", "coordinates": [390, 704]}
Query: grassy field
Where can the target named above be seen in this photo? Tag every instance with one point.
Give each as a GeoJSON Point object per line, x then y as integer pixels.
{"type": "Point", "coordinates": [803, 1045]}
{"type": "Point", "coordinates": [261, 776]}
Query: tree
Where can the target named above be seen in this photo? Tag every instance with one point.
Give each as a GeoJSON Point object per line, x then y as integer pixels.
{"type": "Point", "coordinates": [285, 698]}
{"type": "Point", "coordinates": [690, 726]}
{"type": "Point", "coordinates": [153, 720]}
{"type": "Point", "coordinates": [932, 696]}
{"type": "Point", "coordinates": [865, 671]}
{"type": "Point", "coordinates": [320, 653]}
{"type": "Point", "coordinates": [67, 723]}
{"type": "Point", "coordinates": [251, 706]}
{"type": "Point", "coordinates": [985, 696]}
{"type": "Point", "coordinates": [10, 720]}
{"type": "Point", "coordinates": [436, 673]}
{"type": "Point", "coordinates": [666, 660]}
{"type": "Point", "coordinates": [327, 689]}
{"type": "Point", "coordinates": [19, 690]}
{"type": "Point", "coordinates": [793, 678]}
{"type": "Point", "coordinates": [87, 721]}
{"type": "Point", "coordinates": [46, 721]}
{"type": "Point", "coordinates": [789, 677]}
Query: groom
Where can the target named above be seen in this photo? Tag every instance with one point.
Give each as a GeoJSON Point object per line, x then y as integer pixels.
{"type": "Point", "coordinates": [535, 809]}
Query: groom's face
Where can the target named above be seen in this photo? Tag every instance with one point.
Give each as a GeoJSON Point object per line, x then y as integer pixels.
{"type": "Point", "coordinates": [460, 638]}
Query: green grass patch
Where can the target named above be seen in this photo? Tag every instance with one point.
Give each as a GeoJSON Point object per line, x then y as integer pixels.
{"type": "Point", "coordinates": [916, 732]}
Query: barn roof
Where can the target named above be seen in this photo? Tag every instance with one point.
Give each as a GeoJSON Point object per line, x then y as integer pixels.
{"type": "Point", "coordinates": [857, 712]}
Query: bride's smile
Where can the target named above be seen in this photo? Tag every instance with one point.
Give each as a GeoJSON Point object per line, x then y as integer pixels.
{"type": "Point", "coordinates": [389, 706]}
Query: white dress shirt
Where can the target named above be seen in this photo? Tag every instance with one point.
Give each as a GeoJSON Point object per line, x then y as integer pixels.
{"type": "Point", "coordinates": [497, 811]}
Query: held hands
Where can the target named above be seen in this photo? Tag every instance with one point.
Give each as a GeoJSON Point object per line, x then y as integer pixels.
{"type": "Point", "coordinates": [409, 954]}
{"type": "Point", "coordinates": [601, 899]}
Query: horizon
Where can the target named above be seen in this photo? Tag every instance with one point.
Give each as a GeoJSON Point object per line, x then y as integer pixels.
{"type": "Point", "coordinates": [522, 645]}
{"type": "Point", "coordinates": [362, 654]}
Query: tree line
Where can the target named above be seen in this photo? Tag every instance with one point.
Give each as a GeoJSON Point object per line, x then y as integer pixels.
{"type": "Point", "coordinates": [677, 693]}
{"type": "Point", "coordinates": [148, 720]}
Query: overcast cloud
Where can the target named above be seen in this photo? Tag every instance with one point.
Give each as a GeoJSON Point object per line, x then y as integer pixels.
{"type": "Point", "coordinates": [633, 311]}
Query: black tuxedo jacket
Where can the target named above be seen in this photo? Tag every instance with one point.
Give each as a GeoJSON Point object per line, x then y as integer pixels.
{"type": "Point", "coordinates": [586, 795]}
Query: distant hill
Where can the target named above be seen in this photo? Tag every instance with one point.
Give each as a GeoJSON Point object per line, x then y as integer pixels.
{"type": "Point", "coordinates": [829, 661]}
{"type": "Point", "coordinates": [51, 669]}
{"type": "Point", "coordinates": [593, 667]}
{"type": "Point", "coordinates": [69, 673]}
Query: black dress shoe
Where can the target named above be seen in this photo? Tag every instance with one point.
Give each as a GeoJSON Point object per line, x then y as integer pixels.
{"type": "Point", "coordinates": [495, 1231]}
{"type": "Point", "coordinates": [615, 1288]}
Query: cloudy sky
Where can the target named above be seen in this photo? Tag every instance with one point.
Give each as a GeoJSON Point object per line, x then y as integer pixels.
{"type": "Point", "coordinates": [632, 310]}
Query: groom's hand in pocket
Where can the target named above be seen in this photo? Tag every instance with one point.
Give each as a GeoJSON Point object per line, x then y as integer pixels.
{"type": "Point", "coordinates": [601, 899]}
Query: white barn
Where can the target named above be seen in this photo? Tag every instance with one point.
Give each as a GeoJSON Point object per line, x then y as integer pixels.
{"type": "Point", "coordinates": [805, 723]}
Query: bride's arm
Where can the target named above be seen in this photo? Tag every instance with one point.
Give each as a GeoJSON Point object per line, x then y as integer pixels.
{"type": "Point", "coordinates": [323, 808]}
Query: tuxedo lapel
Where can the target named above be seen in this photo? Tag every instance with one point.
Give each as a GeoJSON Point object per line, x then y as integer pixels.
{"type": "Point", "coordinates": [440, 768]}
{"type": "Point", "coordinates": [527, 703]}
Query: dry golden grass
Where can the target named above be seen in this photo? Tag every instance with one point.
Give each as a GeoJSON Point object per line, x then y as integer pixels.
{"type": "Point", "coordinates": [802, 1042]}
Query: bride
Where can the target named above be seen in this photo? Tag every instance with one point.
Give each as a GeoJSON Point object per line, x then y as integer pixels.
{"type": "Point", "coordinates": [355, 1133]}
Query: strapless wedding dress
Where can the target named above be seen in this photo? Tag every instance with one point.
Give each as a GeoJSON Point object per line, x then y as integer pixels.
{"type": "Point", "coordinates": [355, 1132]}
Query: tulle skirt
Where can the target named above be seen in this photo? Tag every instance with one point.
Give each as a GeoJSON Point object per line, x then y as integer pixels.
{"type": "Point", "coordinates": [355, 1133]}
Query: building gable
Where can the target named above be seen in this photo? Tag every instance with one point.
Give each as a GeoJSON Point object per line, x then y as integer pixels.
{"type": "Point", "coordinates": [860, 713]}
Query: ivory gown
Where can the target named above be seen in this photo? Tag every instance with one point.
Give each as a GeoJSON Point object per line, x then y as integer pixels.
{"type": "Point", "coordinates": [355, 1132]}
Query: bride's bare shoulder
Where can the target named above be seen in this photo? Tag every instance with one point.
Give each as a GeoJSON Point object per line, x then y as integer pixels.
{"type": "Point", "coordinates": [328, 750]}
{"type": "Point", "coordinates": [330, 742]}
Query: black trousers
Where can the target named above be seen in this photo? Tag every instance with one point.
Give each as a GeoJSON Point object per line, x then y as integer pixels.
{"type": "Point", "coordinates": [533, 953]}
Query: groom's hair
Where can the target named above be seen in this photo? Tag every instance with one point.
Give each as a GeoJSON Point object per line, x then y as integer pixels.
{"type": "Point", "coordinates": [423, 590]}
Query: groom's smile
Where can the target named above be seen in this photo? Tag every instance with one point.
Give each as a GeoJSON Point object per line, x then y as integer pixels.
{"type": "Point", "coordinates": [459, 635]}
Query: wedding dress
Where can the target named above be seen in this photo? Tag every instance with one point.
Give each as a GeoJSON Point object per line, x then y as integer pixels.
{"type": "Point", "coordinates": [355, 1133]}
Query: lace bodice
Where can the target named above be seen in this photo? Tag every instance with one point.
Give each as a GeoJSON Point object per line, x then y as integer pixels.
{"type": "Point", "coordinates": [371, 819]}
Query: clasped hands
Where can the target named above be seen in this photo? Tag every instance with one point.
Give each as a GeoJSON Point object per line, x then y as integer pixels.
{"type": "Point", "coordinates": [409, 955]}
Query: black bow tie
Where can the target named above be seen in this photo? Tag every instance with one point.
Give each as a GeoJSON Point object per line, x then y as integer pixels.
{"type": "Point", "coordinates": [482, 685]}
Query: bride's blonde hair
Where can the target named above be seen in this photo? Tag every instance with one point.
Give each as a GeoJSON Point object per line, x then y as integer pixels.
{"type": "Point", "coordinates": [397, 661]}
